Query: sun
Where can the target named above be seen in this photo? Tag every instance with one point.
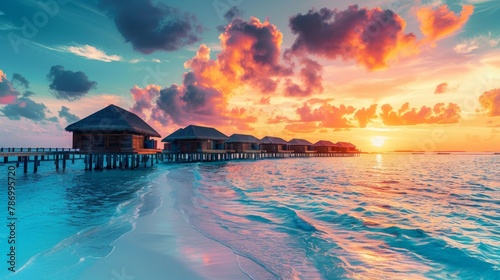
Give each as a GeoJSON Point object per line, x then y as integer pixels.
{"type": "Point", "coordinates": [378, 141]}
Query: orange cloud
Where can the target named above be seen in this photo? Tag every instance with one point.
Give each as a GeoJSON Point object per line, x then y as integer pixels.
{"type": "Point", "coordinates": [441, 88]}
{"type": "Point", "coordinates": [250, 55]}
{"type": "Point", "coordinates": [302, 127]}
{"type": "Point", "coordinates": [364, 116]}
{"type": "Point", "coordinates": [439, 114]}
{"type": "Point", "coordinates": [490, 101]}
{"type": "Point", "coordinates": [328, 115]}
{"type": "Point", "coordinates": [371, 37]}
{"type": "Point", "coordinates": [441, 22]}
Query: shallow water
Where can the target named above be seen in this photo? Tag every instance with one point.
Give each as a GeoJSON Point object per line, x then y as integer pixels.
{"type": "Point", "coordinates": [371, 217]}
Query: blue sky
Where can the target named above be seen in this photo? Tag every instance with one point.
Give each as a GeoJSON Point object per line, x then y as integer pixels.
{"type": "Point", "coordinates": [101, 64]}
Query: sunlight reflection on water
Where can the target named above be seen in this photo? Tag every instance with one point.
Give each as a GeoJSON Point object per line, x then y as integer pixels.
{"type": "Point", "coordinates": [377, 216]}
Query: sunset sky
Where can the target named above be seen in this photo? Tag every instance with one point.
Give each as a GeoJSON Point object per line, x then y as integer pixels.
{"type": "Point", "coordinates": [384, 75]}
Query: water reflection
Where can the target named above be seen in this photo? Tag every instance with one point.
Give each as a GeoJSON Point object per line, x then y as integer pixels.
{"type": "Point", "coordinates": [361, 218]}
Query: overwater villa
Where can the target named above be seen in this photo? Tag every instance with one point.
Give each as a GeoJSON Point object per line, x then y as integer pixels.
{"type": "Point", "coordinates": [243, 143]}
{"type": "Point", "coordinates": [196, 139]}
{"type": "Point", "coordinates": [112, 130]}
{"type": "Point", "coordinates": [272, 144]}
{"type": "Point", "coordinates": [300, 146]}
{"type": "Point", "coordinates": [325, 146]}
{"type": "Point", "coordinates": [346, 147]}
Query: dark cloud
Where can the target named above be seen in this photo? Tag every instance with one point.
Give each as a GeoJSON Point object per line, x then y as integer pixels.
{"type": "Point", "coordinates": [370, 37]}
{"type": "Point", "coordinates": [169, 106]}
{"type": "Point", "coordinates": [28, 93]}
{"type": "Point", "coordinates": [190, 102]}
{"type": "Point", "coordinates": [232, 13]}
{"type": "Point", "coordinates": [69, 117]}
{"type": "Point", "coordinates": [69, 85]}
{"type": "Point", "coordinates": [151, 27]}
{"type": "Point", "coordinates": [21, 80]}
{"type": "Point", "coordinates": [8, 94]}
{"type": "Point", "coordinates": [26, 108]}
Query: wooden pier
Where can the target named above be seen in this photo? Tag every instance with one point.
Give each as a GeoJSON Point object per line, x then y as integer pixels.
{"type": "Point", "coordinates": [93, 161]}
{"type": "Point", "coordinates": [133, 160]}
{"type": "Point", "coordinates": [202, 157]}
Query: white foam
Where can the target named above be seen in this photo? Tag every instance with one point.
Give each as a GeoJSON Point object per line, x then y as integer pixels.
{"type": "Point", "coordinates": [162, 245]}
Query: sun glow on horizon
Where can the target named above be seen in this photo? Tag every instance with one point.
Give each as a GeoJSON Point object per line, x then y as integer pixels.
{"type": "Point", "coordinates": [378, 141]}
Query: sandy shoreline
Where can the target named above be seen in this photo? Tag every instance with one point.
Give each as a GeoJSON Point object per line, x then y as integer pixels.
{"type": "Point", "coordinates": [164, 246]}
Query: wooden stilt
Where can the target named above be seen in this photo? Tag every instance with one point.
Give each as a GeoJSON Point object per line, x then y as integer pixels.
{"type": "Point", "coordinates": [35, 165]}
{"type": "Point", "coordinates": [26, 164]}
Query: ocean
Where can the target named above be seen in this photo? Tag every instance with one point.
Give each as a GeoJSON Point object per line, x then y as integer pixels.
{"type": "Point", "coordinates": [384, 216]}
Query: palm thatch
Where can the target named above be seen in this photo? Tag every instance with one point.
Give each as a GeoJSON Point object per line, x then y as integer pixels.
{"type": "Point", "coordinates": [299, 142]}
{"type": "Point", "coordinates": [113, 119]}
{"type": "Point", "coordinates": [194, 132]}
{"type": "Point", "coordinates": [346, 145]}
{"type": "Point", "coordinates": [242, 138]}
{"type": "Point", "coordinates": [325, 143]}
{"type": "Point", "coordinates": [273, 140]}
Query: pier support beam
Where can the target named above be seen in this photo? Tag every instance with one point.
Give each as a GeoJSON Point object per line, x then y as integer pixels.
{"type": "Point", "coordinates": [26, 164]}
{"type": "Point", "coordinates": [35, 165]}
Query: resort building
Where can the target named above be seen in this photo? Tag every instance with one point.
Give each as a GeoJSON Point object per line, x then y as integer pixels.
{"type": "Point", "coordinates": [112, 130]}
{"type": "Point", "coordinates": [272, 144]}
{"type": "Point", "coordinates": [196, 139]}
{"type": "Point", "coordinates": [325, 146]}
{"type": "Point", "coordinates": [243, 143]}
{"type": "Point", "coordinates": [346, 147]}
{"type": "Point", "coordinates": [300, 146]}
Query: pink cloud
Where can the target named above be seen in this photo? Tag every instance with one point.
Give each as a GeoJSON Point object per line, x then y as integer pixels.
{"type": "Point", "coordinates": [8, 95]}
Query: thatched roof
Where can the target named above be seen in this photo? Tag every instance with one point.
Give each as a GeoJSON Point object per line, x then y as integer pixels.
{"type": "Point", "coordinates": [346, 144]}
{"type": "Point", "coordinates": [273, 140]}
{"type": "Point", "coordinates": [194, 132]}
{"type": "Point", "coordinates": [299, 142]}
{"type": "Point", "coordinates": [242, 138]}
{"type": "Point", "coordinates": [324, 143]}
{"type": "Point", "coordinates": [113, 119]}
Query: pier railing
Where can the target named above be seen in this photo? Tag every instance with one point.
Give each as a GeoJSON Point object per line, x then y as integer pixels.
{"type": "Point", "coordinates": [98, 160]}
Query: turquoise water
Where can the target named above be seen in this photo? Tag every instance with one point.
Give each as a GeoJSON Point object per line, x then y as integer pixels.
{"type": "Point", "coordinates": [68, 219]}
{"type": "Point", "coordinates": [372, 217]}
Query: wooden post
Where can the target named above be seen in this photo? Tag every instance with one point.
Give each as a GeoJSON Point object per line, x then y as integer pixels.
{"type": "Point", "coordinates": [152, 160]}
{"type": "Point", "coordinates": [64, 162]}
{"type": "Point", "coordinates": [90, 161]}
{"type": "Point", "coordinates": [108, 161]}
{"type": "Point", "coordinates": [73, 158]}
{"type": "Point", "coordinates": [25, 164]}
{"type": "Point", "coordinates": [5, 159]}
{"type": "Point", "coordinates": [57, 161]}
{"type": "Point", "coordinates": [35, 165]}
{"type": "Point", "coordinates": [115, 159]}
